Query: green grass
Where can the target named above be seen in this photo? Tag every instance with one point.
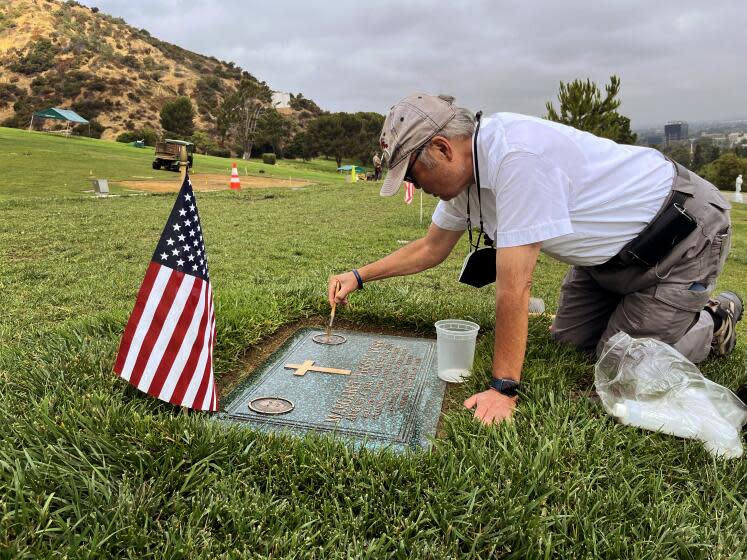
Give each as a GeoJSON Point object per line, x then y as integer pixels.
{"type": "Point", "coordinates": [38, 164]}
{"type": "Point", "coordinates": [91, 468]}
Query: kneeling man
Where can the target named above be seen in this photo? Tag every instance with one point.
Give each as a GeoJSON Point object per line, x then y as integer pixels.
{"type": "Point", "coordinates": [646, 238]}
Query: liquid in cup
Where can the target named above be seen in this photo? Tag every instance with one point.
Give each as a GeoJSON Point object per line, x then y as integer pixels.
{"type": "Point", "coordinates": [455, 347]}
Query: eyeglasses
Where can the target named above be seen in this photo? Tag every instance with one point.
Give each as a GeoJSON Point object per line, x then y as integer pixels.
{"type": "Point", "coordinates": [408, 173]}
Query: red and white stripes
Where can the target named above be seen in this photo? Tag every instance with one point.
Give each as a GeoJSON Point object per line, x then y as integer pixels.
{"type": "Point", "coordinates": [409, 192]}
{"type": "Point", "coordinates": [167, 347]}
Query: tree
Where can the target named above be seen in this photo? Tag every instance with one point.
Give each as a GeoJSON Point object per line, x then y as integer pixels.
{"type": "Point", "coordinates": [177, 117]}
{"type": "Point", "coordinates": [723, 171]}
{"type": "Point", "coordinates": [331, 135]}
{"type": "Point", "coordinates": [274, 129]}
{"type": "Point", "coordinates": [704, 152]}
{"type": "Point", "coordinates": [367, 141]}
{"type": "Point", "coordinates": [300, 103]}
{"type": "Point", "coordinates": [679, 152]}
{"type": "Point", "coordinates": [582, 107]}
{"type": "Point", "coordinates": [346, 135]}
{"type": "Point", "coordinates": [301, 146]}
{"type": "Point", "coordinates": [204, 144]}
{"type": "Point", "coordinates": [239, 113]}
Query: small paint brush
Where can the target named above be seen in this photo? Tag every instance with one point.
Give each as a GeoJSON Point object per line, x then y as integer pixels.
{"type": "Point", "coordinates": [334, 308]}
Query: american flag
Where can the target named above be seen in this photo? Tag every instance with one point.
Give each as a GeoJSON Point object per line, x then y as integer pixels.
{"type": "Point", "coordinates": [167, 347]}
{"type": "Point", "coordinates": [409, 192]}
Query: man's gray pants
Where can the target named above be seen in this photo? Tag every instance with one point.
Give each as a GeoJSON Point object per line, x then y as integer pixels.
{"type": "Point", "coordinates": [664, 302]}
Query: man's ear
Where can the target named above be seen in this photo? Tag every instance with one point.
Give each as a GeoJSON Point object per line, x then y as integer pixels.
{"type": "Point", "coordinates": [441, 143]}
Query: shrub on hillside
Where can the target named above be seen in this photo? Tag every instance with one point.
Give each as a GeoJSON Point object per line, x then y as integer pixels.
{"type": "Point", "coordinates": [148, 135]}
{"type": "Point", "coordinates": [9, 93]}
{"type": "Point", "coordinates": [300, 103]}
{"type": "Point", "coordinates": [206, 94]}
{"type": "Point", "coordinates": [269, 159]}
{"type": "Point", "coordinates": [94, 129]}
{"type": "Point", "coordinates": [25, 106]}
{"type": "Point", "coordinates": [5, 22]}
{"type": "Point", "coordinates": [39, 58]}
{"type": "Point", "coordinates": [177, 117]}
{"type": "Point", "coordinates": [73, 82]}
{"type": "Point", "coordinates": [43, 85]}
{"type": "Point", "coordinates": [219, 152]}
{"type": "Point", "coordinates": [78, 45]}
{"type": "Point", "coordinates": [131, 61]}
{"type": "Point", "coordinates": [97, 84]}
{"type": "Point", "coordinates": [91, 108]}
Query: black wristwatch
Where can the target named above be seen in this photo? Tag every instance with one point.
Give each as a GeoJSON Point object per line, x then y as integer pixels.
{"type": "Point", "coordinates": [508, 387]}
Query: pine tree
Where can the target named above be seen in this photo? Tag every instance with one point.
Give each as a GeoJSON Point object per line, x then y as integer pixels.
{"type": "Point", "coordinates": [582, 107]}
{"type": "Point", "coordinates": [178, 117]}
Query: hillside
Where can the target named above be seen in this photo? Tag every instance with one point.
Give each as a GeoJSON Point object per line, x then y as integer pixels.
{"type": "Point", "coordinates": [64, 54]}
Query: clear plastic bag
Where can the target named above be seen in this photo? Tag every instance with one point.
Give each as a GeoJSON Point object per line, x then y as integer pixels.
{"type": "Point", "coordinates": [646, 383]}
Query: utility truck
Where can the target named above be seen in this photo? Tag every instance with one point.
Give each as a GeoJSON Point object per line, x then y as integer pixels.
{"type": "Point", "coordinates": [167, 154]}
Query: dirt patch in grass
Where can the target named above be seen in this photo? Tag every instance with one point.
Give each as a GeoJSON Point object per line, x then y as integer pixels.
{"type": "Point", "coordinates": [210, 182]}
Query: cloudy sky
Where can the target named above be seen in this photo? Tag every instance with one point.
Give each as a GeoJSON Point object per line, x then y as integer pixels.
{"type": "Point", "coordinates": [677, 59]}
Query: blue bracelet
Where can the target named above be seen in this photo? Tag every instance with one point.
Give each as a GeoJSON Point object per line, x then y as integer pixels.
{"type": "Point", "coordinates": [358, 277]}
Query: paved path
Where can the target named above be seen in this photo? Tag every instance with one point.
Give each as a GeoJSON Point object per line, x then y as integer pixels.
{"type": "Point", "coordinates": [734, 197]}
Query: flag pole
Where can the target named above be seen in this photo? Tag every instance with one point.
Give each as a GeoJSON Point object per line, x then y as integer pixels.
{"type": "Point", "coordinates": [421, 206]}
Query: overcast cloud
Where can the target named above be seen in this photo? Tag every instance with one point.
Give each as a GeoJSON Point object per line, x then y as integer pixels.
{"type": "Point", "coordinates": [681, 59]}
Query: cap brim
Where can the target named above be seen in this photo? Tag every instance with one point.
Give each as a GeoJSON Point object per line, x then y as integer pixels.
{"type": "Point", "coordinates": [394, 178]}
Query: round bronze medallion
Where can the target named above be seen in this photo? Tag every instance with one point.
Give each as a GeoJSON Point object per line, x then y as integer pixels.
{"type": "Point", "coordinates": [323, 338]}
{"type": "Point", "coordinates": [271, 405]}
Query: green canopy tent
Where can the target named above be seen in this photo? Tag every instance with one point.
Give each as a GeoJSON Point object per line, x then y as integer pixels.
{"type": "Point", "coordinates": [70, 118]}
{"type": "Point", "coordinates": [347, 168]}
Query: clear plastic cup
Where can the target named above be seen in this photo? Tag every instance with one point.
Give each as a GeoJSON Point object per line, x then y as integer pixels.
{"type": "Point", "coordinates": [455, 347]}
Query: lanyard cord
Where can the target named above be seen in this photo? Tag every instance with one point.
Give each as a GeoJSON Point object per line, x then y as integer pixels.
{"type": "Point", "coordinates": [477, 181]}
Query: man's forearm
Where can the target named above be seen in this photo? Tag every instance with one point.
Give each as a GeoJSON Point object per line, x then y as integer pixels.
{"type": "Point", "coordinates": [514, 270]}
{"type": "Point", "coordinates": [410, 259]}
{"type": "Point", "coordinates": [510, 333]}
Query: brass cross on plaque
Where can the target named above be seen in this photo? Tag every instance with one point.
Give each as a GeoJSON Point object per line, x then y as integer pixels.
{"type": "Point", "coordinates": [308, 365]}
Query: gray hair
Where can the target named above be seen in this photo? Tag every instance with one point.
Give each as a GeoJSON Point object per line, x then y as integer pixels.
{"type": "Point", "coordinates": [461, 126]}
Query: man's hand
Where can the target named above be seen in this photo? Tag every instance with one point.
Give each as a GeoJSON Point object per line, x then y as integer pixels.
{"type": "Point", "coordinates": [492, 406]}
{"type": "Point", "coordinates": [348, 284]}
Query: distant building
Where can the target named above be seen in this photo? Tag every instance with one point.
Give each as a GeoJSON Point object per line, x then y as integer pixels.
{"type": "Point", "coordinates": [737, 139]}
{"type": "Point", "coordinates": [717, 139]}
{"type": "Point", "coordinates": [721, 140]}
{"type": "Point", "coordinates": [675, 132]}
{"type": "Point", "coordinates": [281, 100]}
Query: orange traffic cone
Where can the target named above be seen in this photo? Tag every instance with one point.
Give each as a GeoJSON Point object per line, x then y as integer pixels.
{"type": "Point", "coordinates": [235, 182]}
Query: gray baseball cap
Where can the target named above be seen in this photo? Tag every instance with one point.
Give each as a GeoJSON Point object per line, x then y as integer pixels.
{"type": "Point", "coordinates": [412, 122]}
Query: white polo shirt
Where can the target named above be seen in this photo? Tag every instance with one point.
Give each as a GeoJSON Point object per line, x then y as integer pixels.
{"type": "Point", "coordinates": [582, 196]}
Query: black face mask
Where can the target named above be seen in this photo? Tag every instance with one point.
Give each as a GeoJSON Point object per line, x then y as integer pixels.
{"type": "Point", "coordinates": [478, 269]}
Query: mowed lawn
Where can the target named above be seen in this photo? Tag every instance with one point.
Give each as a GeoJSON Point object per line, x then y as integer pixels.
{"type": "Point", "coordinates": [91, 468]}
{"type": "Point", "coordinates": [36, 164]}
